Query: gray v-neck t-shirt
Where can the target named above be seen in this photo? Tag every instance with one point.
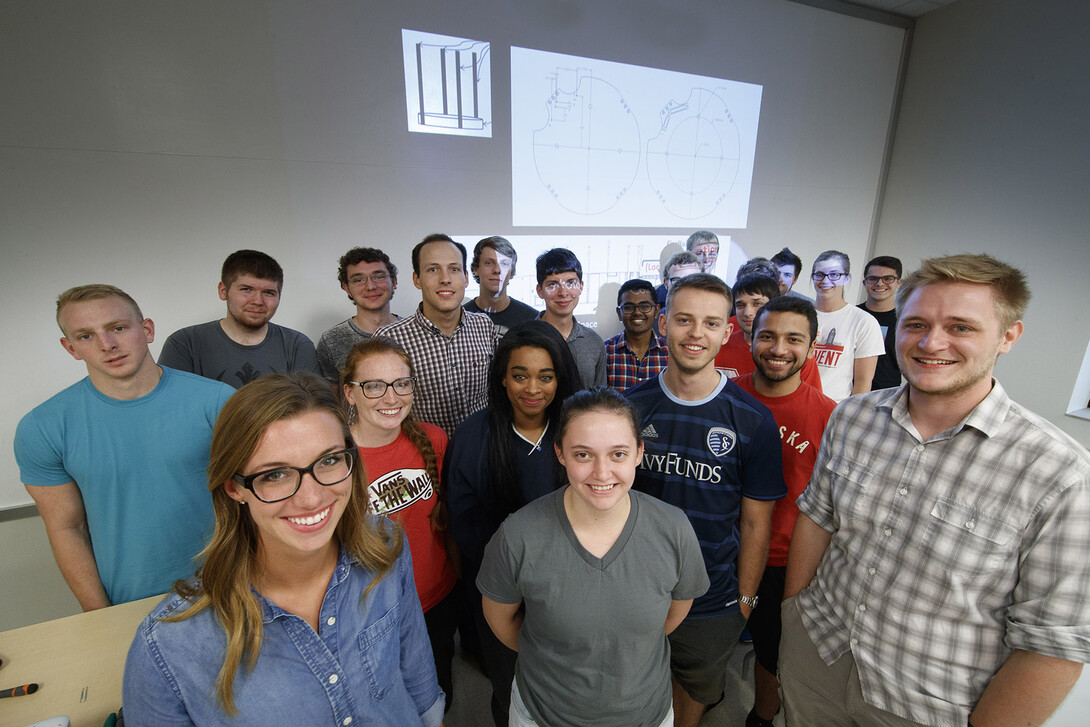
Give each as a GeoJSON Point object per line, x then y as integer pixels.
{"type": "Point", "coordinates": [592, 650]}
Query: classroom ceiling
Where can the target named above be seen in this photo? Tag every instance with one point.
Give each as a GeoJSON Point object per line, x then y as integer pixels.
{"type": "Point", "coordinates": [908, 8]}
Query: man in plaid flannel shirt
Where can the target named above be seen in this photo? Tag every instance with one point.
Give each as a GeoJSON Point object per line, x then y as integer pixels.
{"type": "Point", "coordinates": [450, 348]}
{"type": "Point", "coordinates": [938, 573]}
{"type": "Point", "coordinates": [637, 353]}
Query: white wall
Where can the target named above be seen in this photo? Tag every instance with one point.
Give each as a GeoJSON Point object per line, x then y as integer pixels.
{"type": "Point", "coordinates": [991, 155]}
{"type": "Point", "coordinates": [31, 586]}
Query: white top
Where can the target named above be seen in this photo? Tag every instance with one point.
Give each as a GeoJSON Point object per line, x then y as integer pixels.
{"type": "Point", "coordinates": [844, 336]}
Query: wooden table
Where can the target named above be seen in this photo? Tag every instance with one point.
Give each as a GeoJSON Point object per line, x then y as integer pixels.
{"type": "Point", "coordinates": [77, 663]}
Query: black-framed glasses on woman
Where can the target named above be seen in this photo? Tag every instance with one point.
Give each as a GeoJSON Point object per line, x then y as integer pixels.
{"type": "Point", "coordinates": [833, 277]}
{"type": "Point", "coordinates": [282, 482]}
{"type": "Point", "coordinates": [376, 388]}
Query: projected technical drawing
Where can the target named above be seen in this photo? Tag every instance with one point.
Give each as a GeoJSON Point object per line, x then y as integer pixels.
{"type": "Point", "coordinates": [588, 152]}
{"type": "Point", "coordinates": [603, 144]}
{"type": "Point", "coordinates": [447, 84]}
{"type": "Point", "coordinates": [693, 161]}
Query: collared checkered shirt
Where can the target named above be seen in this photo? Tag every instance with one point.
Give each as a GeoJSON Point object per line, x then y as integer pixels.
{"type": "Point", "coordinates": [624, 370]}
{"type": "Point", "coordinates": [451, 373]}
{"type": "Point", "coordinates": [948, 554]}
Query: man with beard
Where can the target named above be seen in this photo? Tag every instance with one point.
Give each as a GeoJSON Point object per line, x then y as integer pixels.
{"type": "Point", "coordinates": [938, 572]}
{"type": "Point", "coordinates": [713, 451]}
{"type": "Point", "coordinates": [751, 293]}
{"type": "Point", "coordinates": [784, 331]}
{"type": "Point", "coordinates": [244, 345]}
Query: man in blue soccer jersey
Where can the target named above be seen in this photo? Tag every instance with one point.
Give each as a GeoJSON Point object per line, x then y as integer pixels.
{"type": "Point", "coordinates": [713, 451]}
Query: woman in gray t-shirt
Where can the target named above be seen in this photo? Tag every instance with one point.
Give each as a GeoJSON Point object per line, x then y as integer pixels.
{"type": "Point", "coordinates": [586, 582]}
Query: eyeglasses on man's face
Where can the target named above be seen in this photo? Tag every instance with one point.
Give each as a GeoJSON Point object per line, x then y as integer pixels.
{"type": "Point", "coordinates": [886, 279]}
{"type": "Point", "coordinates": [644, 307]}
{"type": "Point", "coordinates": [283, 482]}
{"type": "Point", "coordinates": [833, 277]}
{"type": "Point", "coordinates": [377, 278]}
{"type": "Point", "coordinates": [552, 287]}
{"type": "Point", "coordinates": [376, 388]}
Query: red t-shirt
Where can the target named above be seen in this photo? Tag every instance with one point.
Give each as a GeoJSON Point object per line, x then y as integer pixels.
{"type": "Point", "coordinates": [400, 488]}
{"type": "Point", "coordinates": [735, 360]}
{"type": "Point", "coordinates": [802, 417]}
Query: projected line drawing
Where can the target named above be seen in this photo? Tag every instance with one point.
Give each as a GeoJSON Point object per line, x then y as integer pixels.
{"type": "Point", "coordinates": [447, 84]}
{"type": "Point", "coordinates": [587, 153]}
{"type": "Point", "coordinates": [596, 143]}
{"type": "Point", "coordinates": [692, 162]}
{"type": "Point", "coordinates": [459, 98]}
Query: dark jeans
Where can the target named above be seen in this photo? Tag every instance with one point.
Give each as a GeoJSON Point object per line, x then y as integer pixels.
{"type": "Point", "coordinates": [442, 621]}
{"type": "Point", "coordinates": [499, 661]}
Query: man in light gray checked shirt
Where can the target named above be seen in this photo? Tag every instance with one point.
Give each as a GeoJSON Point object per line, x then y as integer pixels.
{"type": "Point", "coordinates": [940, 571]}
{"type": "Point", "coordinates": [450, 348]}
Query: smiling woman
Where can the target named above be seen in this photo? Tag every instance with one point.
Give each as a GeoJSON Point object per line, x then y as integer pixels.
{"type": "Point", "coordinates": [502, 458]}
{"type": "Point", "coordinates": [295, 566]}
{"type": "Point", "coordinates": [403, 458]}
{"type": "Point", "coordinates": [589, 575]}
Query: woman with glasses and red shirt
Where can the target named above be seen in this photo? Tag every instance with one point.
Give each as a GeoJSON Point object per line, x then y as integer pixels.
{"type": "Point", "coordinates": [402, 459]}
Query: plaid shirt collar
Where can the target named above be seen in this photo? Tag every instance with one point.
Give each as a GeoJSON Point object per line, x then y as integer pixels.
{"type": "Point", "coordinates": [986, 417]}
{"type": "Point", "coordinates": [424, 322]}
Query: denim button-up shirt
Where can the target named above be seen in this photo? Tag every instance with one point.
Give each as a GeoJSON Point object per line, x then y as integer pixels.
{"type": "Point", "coordinates": [369, 664]}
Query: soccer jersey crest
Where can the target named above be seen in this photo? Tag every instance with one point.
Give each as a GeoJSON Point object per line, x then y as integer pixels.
{"type": "Point", "coordinates": [721, 441]}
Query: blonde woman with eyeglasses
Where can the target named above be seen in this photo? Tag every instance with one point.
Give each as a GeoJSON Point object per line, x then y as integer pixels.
{"type": "Point", "coordinates": [303, 610]}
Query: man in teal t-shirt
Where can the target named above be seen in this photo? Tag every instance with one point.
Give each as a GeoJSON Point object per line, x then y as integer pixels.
{"type": "Point", "coordinates": [116, 462]}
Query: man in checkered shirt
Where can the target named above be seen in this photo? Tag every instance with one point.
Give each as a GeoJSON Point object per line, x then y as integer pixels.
{"type": "Point", "coordinates": [940, 571]}
{"type": "Point", "coordinates": [450, 348]}
{"type": "Point", "coordinates": [637, 353]}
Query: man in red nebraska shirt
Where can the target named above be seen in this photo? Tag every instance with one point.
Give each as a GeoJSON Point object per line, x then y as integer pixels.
{"type": "Point", "coordinates": [784, 331]}
{"type": "Point", "coordinates": [751, 292]}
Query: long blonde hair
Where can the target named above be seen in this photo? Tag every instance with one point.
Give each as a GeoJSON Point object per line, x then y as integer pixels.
{"type": "Point", "coordinates": [228, 562]}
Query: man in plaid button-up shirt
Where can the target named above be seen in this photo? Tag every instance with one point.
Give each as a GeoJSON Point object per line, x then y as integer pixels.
{"type": "Point", "coordinates": [940, 560]}
{"type": "Point", "coordinates": [637, 353]}
{"type": "Point", "coordinates": [450, 348]}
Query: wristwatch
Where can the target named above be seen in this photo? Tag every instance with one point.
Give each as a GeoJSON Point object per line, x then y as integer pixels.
{"type": "Point", "coordinates": [750, 601]}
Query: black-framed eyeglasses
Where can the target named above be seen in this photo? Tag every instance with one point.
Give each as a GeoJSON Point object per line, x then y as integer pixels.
{"type": "Point", "coordinates": [644, 307]}
{"type": "Point", "coordinates": [376, 388]}
{"type": "Point", "coordinates": [283, 482]}
{"type": "Point", "coordinates": [887, 279]}
{"type": "Point", "coordinates": [833, 277]}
